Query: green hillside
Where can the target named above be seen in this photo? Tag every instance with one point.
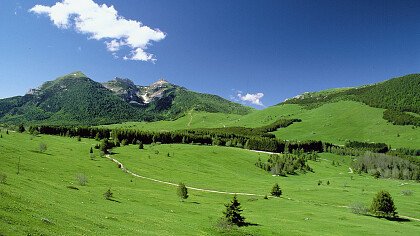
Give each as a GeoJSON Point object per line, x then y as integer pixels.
{"type": "Point", "coordinates": [399, 95]}
{"type": "Point", "coordinates": [46, 198]}
{"type": "Point", "coordinates": [75, 99]}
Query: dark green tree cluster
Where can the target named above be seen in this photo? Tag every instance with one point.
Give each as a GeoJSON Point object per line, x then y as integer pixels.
{"type": "Point", "coordinates": [401, 118]}
{"type": "Point", "coordinates": [373, 147]}
{"type": "Point", "coordinates": [130, 136]}
{"type": "Point", "coordinates": [287, 164]}
{"type": "Point", "coordinates": [344, 151]}
{"type": "Point", "coordinates": [385, 166]}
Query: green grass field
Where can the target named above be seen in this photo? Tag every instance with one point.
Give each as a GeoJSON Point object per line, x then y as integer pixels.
{"type": "Point", "coordinates": [345, 120]}
{"type": "Point", "coordinates": [192, 120]}
{"type": "Point", "coordinates": [333, 122]}
{"type": "Point", "coordinates": [39, 202]}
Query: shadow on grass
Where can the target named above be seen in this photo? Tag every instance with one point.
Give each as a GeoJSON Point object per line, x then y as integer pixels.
{"type": "Point", "coordinates": [41, 153]}
{"type": "Point", "coordinates": [113, 200]}
{"type": "Point", "coordinates": [397, 219]}
{"type": "Point", "coordinates": [246, 224]}
{"type": "Point", "coordinates": [197, 203]}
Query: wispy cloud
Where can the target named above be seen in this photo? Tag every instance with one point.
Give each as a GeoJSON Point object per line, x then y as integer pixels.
{"type": "Point", "coordinates": [252, 98]}
{"type": "Point", "coordinates": [102, 22]}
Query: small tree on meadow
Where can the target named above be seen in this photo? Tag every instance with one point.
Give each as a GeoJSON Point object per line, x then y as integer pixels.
{"type": "Point", "coordinates": [383, 205]}
{"type": "Point", "coordinates": [91, 150]}
{"type": "Point", "coordinates": [233, 212]}
{"type": "Point", "coordinates": [42, 147]}
{"type": "Point", "coordinates": [108, 194]}
{"type": "Point", "coordinates": [141, 146]}
{"type": "Point", "coordinates": [21, 128]}
{"type": "Point", "coordinates": [182, 191]}
{"type": "Point", "coordinates": [276, 191]}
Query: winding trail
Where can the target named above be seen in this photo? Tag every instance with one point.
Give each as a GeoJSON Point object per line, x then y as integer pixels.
{"type": "Point", "coordinates": [174, 184]}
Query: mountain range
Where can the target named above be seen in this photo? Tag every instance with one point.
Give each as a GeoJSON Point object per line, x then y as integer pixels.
{"type": "Point", "coordinates": [75, 99]}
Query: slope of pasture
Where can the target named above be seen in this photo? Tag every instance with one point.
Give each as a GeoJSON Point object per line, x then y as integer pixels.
{"type": "Point", "coordinates": [191, 120]}
{"type": "Point", "coordinates": [38, 200]}
{"type": "Point", "coordinates": [347, 120]}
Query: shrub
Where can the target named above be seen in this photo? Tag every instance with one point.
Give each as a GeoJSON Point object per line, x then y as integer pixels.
{"type": "Point", "coordinates": [383, 205]}
{"type": "Point", "coordinates": [359, 208]}
{"type": "Point", "coordinates": [319, 182]}
{"type": "Point", "coordinates": [407, 192]}
{"type": "Point", "coordinates": [108, 194]}
{"type": "Point", "coordinates": [182, 191]}
{"type": "Point", "coordinates": [276, 191]}
{"type": "Point", "coordinates": [82, 179]}
{"type": "Point", "coordinates": [42, 147]}
{"type": "Point", "coordinates": [233, 212]}
{"type": "Point", "coordinates": [141, 146]}
{"type": "Point", "coordinates": [21, 128]}
{"type": "Point", "coordinates": [3, 178]}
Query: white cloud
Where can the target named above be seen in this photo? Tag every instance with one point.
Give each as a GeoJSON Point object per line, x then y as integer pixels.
{"type": "Point", "coordinates": [252, 98]}
{"type": "Point", "coordinates": [101, 22]}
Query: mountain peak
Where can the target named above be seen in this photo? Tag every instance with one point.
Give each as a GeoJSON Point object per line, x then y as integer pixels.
{"type": "Point", "coordinates": [76, 74]}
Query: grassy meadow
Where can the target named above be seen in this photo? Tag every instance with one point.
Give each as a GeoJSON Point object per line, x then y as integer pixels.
{"type": "Point", "coordinates": [333, 122]}
{"type": "Point", "coordinates": [45, 198]}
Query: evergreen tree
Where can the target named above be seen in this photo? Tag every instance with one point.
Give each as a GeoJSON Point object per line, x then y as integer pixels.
{"type": "Point", "coordinates": [141, 146]}
{"type": "Point", "coordinates": [233, 212]}
{"type": "Point", "coordinates": [108, 194]}
{"type": "Point", "coordinates": [182, 191]}
{"type": "Point", "coordinates": [91, 150]}
{"type": "Point", "coordinates": [276, 191]}
{"type": "Point", "coordinates": [21, 128]}
{"type": "Point", "coordinates": [383, 205]}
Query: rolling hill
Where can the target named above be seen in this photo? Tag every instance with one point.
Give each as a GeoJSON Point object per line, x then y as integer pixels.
{"type": "Point", "coordinates": [334, 115]}
{"type": "Point", "coordinates": [75, 99]}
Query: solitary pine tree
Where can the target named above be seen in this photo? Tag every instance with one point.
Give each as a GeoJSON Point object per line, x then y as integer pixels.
{"type": "Point", "coordinates": [21, 128]}
{"type": "Point", "coordinates": [141, 146]}
{"type": "Point", "coordinates": [182, 191]}
{"type": "Point", "coordinates": [276, 191]}
{"type": "Point", "coordinates": [383, 205]}
{"type": "Point", "coordinates": [91, 150]}
{"type": "Point", "coordinates": [108, 194]}
{"type": "Point", "coordinates": [233, 212]}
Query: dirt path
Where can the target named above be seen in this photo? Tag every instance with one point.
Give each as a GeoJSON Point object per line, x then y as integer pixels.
{"type": "Point", "coordinates": [174, 184]}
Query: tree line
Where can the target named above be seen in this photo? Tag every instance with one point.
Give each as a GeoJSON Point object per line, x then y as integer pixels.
{"type": "Point", "coordinates": [223, 138]}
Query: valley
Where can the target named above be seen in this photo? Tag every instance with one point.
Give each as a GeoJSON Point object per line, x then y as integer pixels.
{"type": "Point", "coordinates": [39, 199]}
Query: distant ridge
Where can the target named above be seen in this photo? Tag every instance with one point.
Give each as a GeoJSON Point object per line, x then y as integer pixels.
{"type": "Point", "coordinates": [75, 99]}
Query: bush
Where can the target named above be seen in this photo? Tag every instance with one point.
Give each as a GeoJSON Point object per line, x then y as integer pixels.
{"type": "Point", "coordinates": [359, 208]}
{"type": "Point", "coordinates": [21, 128]}
{"type": "Point", "coordinates": [182, 191]}
{"type": "Point", "coordinates": [406, 192]}
{"type": "Point", "coordinates": [82, 179]}
{"type": "Point", "coordinates": [3, 178]}
{"type": "Point", "coordinates": [42, 147]}
{"type": "Point", "coordinates": [276, 191]}
{"type": "Point", "coordinates": [383, 205]}
{"type": "Point", "coordinates": [108, 194]}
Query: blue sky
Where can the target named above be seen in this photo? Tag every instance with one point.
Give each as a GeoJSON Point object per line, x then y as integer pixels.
{"type": "Point", "coordinates": [270, 49]}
